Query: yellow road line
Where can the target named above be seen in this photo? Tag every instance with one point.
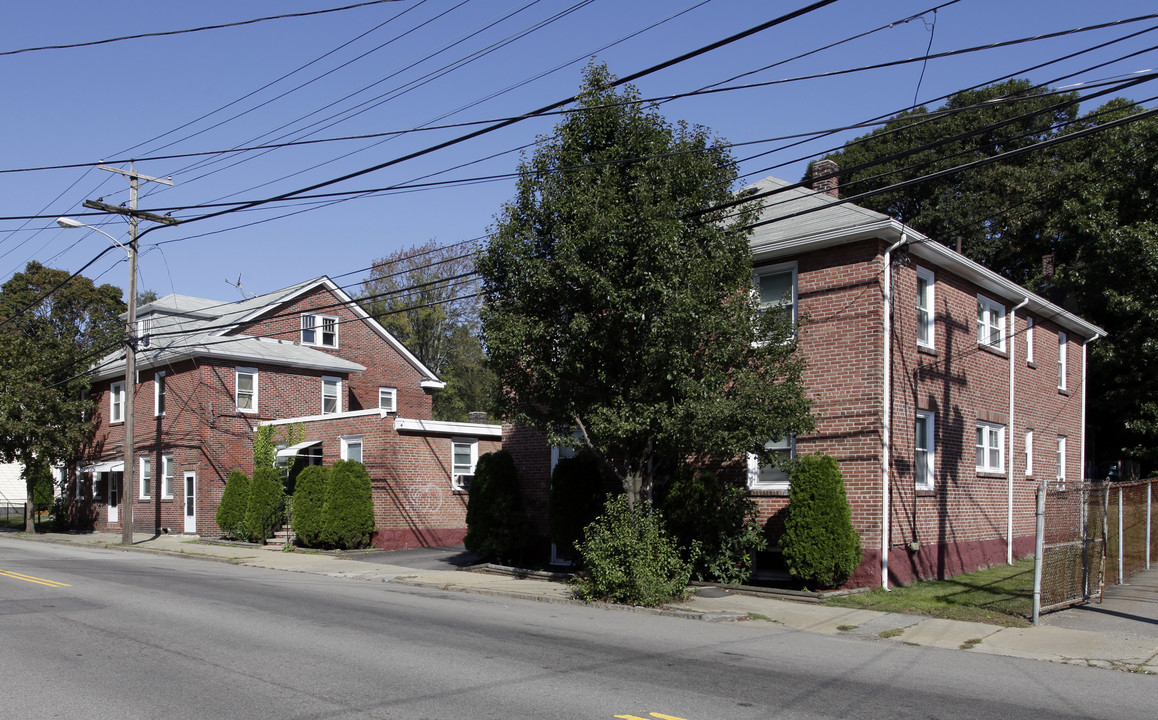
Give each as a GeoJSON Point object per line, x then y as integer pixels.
{"type": "Point", "coordinates": [29, 578]}
{"type": "Point", "coordinates": [661, 716]}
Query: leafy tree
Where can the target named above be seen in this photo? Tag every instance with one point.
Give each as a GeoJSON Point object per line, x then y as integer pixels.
{"type": "Point", "coordinates": [495, 526]}
{"type": "Point", "coordinates": [618, 303]}
{"type": "Point", "coordinates": [232, 508]}
{"type": "Point", "coordinates": [45, 344]}
{"type": "Point", "coordinates": [309, 504]}
{"type": "Point", "coordinates": [820, 545]}
{"type": "Point", "coordinates": [577, 497]}
{"type": "Point", "coordinates": [264, 510]}
{"type": "Point", "coordinates": [145, 297]}
{"type": "Point", "coordinates": [348, 513]}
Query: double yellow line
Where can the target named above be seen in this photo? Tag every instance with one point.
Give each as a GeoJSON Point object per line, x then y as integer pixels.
{"type": "Point", "coordinates": [29, 578]}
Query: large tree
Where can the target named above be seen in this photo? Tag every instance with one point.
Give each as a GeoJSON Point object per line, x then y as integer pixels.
{"type": "Point", "coordinates": [618, 305]}
{"type": "Point", "coordinates": [51, 329]}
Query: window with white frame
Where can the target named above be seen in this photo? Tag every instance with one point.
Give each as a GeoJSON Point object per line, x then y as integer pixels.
{"type": "Point", "coordinates": [1061, 459]}
{"type": "Point", "coordinates": [1063, 366]}
{"type": "Point", "coordinates": [776, 289]}
{"type": "Point", "coordinates": [924, 451]}
{"type": "Point", "coordinates": [774, 475]}
{"type": "Point", "coordinates": [167, 477]}
{"type": "Point", "coordinates": [990, 447]}
{"type": "Point", "coordinates": [331, 395]}
{"type": "Point", "coordinates": [1029, 453]}
{"type": "Point", "coordinates": [464, 457]}
{"type": "Point", "coordinates": [1029, 340]}
{"type": "Point", "coordinates": [159, 388]}
{"type": "Point", "coordinates": [925, 307]}
{"type": "Point", "coordinates": [117, 402]}
{"type": "Point", "coordinates": [388, 399]}
{"type": "Point", "coordinates": [351, 447]}
{"type": "Point", "coordinates": [990, 323]}
{"type": "Point", "coordinates": [246, 390]}
{"type": "Point", "coordinates": [146, 478]}
{"type": "Point", "coordinates": [320, 330]}
{"type": "Point", "coordinates": [144, 331]}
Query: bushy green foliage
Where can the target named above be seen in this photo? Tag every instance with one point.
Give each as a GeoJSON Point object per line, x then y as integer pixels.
{"type": "Point", "coordinates": [39, 479]}
{"type": "Point", "coordinates": [264, 509]}
{"type": "Point", "coordinates": [721, 517]}
{"type": "Point", "coordinates": [577, 494]}
{"type": "Point", "coordinates": [629, 558]}
{"type": "Point", "coordinates": [309, 504]}
{"type": "Point", "coordinates": [495, 526]}
{"type": "Point", "coordinates": [820, 545]}
{"type": "Point", "coordinates": [348, 513]}
{"type": "Point", "coordinates": [234, 502]}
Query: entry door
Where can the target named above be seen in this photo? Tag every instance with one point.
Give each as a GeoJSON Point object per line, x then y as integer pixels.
{"type": "Point", "coordinates": [114, 483]}
{"type": "Point", "coordinates": [190, 502]}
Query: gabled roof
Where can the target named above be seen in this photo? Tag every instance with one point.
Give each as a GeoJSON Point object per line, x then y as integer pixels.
{"type": "Point", "coordinates": [798, 219]}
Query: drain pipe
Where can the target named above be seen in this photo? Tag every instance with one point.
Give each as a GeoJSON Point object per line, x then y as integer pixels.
{"type": "Point", "coordinates": [886, 425]}
{"type": "Point", "coordinates": [1009, 440]}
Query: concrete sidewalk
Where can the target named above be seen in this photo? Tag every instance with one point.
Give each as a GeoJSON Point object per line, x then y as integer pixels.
{"type": "Point", "coordinates": [1121, 633]}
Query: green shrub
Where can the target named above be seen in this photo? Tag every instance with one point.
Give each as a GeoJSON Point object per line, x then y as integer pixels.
{"type": "Point", "coordinates": [43, 488]}
{"type": "Point", "coordinates": [820, 545]}
{"type": "Point", "coordinates": [721, 517]}
{"type": "Point", "coordinates": [495, 527]}
{"type": "Point", "coordinates": [348, 513]}
{"type": "Point", "coordinates": [309, 502]}
{"type": "Point", "coordinates": [577, 493]}
{"type": "Point", "coordinates": [264, 510]}
{"type": "Point", "coordinates": [629, 558]}
{"type": "Point", "coordinates": [234, 501]}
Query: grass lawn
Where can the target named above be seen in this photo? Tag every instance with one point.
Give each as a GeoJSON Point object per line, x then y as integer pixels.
{"type": "Point", "coordinates": [1001, 595]}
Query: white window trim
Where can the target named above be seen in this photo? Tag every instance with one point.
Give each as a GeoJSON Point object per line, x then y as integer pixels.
{"type": "Point", "coordinates": [999, 446]}
{"type": "Point", "coordinates": [754, 466]}
{"type": "Point", "coordinates": [167, 474]}
{"type": "Point", "coordinates": [986, 310]}
{"type": "Point", "coordinates": [146, 478]}
{"type": "Point", "coordinates": [928, 482]}
{"type": "Point", "coordinates": [1029, 453]}
{"type": "Point", "coordinates": [929, 321]}
{"type": "Point", "coordinates": [1063, 360]}
{"type": "Point", "coordinates": [457, 482]}
{"type": "Point", "coordinates": [1029, 340]}
{"type": "Point", "coordinates": [318, 323]}
{"type": "Point", "coordinates": [158, 385]}
{"type": "Point", "coordinates": [1061, 459]}
{"type": "Point", "coordinates": [117, 402]}
{"type": "Point", "coordinates": [347, 441]}
{"type": "Point", "coordinates": [338, 385]}
{"type": "Point", "coordinates": [392, 394]}
{"type": "Point", "coordinates": [776, 270]}
{"type": "Point", "coordinates": [237, 373]}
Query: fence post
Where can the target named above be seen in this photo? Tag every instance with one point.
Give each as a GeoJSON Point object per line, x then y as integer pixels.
{"type": "Point", "coordinates": [1121, 537]}
{"type": "Point", "coordinates": [1149, 518]}
{"type": "Point", "coordinates": [1039, 552]}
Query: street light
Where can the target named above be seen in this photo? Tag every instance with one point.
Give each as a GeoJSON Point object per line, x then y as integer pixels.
{"type": "Point", "coordinates": [130, 375]}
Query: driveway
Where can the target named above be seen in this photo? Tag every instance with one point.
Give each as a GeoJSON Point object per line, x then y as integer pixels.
{"type": "Point", "coordinates": [433, 558]}
{"type": "Point", "coordinates": [1129, 610]}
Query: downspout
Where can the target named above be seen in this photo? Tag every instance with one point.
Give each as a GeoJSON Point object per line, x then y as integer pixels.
{"type": "Point", "coordinates": [886, 425]}
{"type": "Point", "coordinates": [1009, 442]}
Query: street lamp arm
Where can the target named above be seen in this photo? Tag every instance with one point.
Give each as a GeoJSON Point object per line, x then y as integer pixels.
{"type": "Point", "coordinates": [71, 224]}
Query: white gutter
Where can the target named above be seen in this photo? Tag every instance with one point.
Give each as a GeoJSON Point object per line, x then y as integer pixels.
{"type": "Point", "coordinates": [886, 425]}
{"type": "Point", "coordinates": [1009, 442]}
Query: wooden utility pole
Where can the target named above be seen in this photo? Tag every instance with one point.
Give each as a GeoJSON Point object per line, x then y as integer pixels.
{"type": "Point", "coordinates": [128, 487]}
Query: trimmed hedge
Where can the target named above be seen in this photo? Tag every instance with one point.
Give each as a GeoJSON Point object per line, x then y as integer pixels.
{"type": "Point", "coordinates": [820, 545]}
{"type": "Point", "coordinates": [348, 512]}
{"type": "Point", "coordinates": [234, 501]}
{"type": "Point", "coordinates": [577, 494]}
{"type": "Point", "coordinates": [309, 504]}
{"type": "Point", "coordinates": [264, 511]}
{"type": "Point", "coordinates": [495, 527]}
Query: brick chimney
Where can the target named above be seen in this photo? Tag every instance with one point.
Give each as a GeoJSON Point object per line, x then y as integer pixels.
{"type": "Point", "coordinates": [827, 185]}
{"type": "Point", "coordinates": [477, 417]}
{"type": "Point", "coordinates": [1048, 266]}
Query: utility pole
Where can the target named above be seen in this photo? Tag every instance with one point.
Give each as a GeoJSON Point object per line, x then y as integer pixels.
{"type": "Point", "coordinates": [128, 486]}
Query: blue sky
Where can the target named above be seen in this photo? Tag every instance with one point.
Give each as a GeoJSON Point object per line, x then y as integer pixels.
{"type": "Point", "coordinates": [383, 68]}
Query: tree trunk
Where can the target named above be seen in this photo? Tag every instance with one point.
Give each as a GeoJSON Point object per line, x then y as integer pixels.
{"type": "Point", "coordinates": [29, 515]}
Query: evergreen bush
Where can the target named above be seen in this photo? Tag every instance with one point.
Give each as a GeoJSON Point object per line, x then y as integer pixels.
{"type": "Point", "coordinates": [348, 512]}
{"type": "Point", "coordinates": [629, 558]}
{"type": "Point", "coordinates": [234, 501]}
{"type": "Point", "coordinates": [309, 502]}
{"type": "Point", "coordinates": [719, 515]}
{"type": "Point", "coordinates": [495, 527]}
{"type": "Point", "coordinates": [820, 545]}
{"type": "Point", "coordinates": [263, 513]}
{"type": "Point", "coordinates": [577, 493]}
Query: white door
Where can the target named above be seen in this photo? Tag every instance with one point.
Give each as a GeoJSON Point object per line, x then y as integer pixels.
{"type": "Point", "coordinates": [114, 484]}
{"type": "Point", "coordinates": [190, 502]}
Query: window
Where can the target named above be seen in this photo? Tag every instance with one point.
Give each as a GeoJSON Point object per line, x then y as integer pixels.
{"type": "Point", "coordinates": [925, 307]}
{"type": "Point", "coordinates": [331, 395]}
{"type": "Point", "coordinates": [1029, 453]}
{"type": "Point", "coordinates": [117, 402]}
{"type": "Point", "coordinates": [464, 456]}
{"type": "Point", "coordinates": [776, 289]}
{"type": "Point", "coordinates": [772, 476]}
{"type": "Point", "coordinates": [388, 399]}
{"type": "Point", "coordinates": [320, 330]}
{"type": "Point", "coordinates": [1062, 361]}
{"type": "Point", "coordinates": [246, 390]}
{"type": "Point", "coordinates": [352, 447]}
{"type": "Point", "coordinates": [1061, 459]}
{"type": "Point", "coordinates": [144, 330]}
{"type": "Point", "coordinates": [923, 456]}
{"type": "Point", "coordinates": [990, 447]}
{"type": "Point", "coordinates": [159, 393]}
{"type": "Point", "coordinates": [146, 477]}
{"type": "Point", "coordinates": [1029, 340]}
{"type": "Point", "coordinates": [990, 323]}
{"type": "Point", "coordinates": [167, 477]}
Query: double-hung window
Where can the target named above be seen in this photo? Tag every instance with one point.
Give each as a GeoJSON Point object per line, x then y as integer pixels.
{"type": "Point", "coordinates": [771, 476]}
{"type": "Point", "coordinates": [146, 478]}
{"type": "Point", "coordinates": [167, 477]}
{"type": "Point", "coordinates": [464, 456]}
{"type": "Point", "coordinates": [990, 323]}
{"type": "Point", "coordinates": [320, 330]}
{"type": "Point", "coordinates": [246, 389]}
{"type": "Point", "coordinates": [331, 395]}
{"type": "Point", "coordinates": [1061, 459]}
{"type": "Point", "coordinates": [776, 290]}
{"type": "Point", "coordinates": [924, 453]}
{"type": "Point", "coordinates": [117, 402]}
{"type": "Point", "coordinates": [1063, 365]}
{"type": "Point", "coordinates": [990, 447]}
{"type": "Point", "coordinates": [351, 447]}
{"type": "Point", "coordinates": [159, 393]}
{"type": "Point", "coordinates": [1029, 453]}
{"type": "Point", "coordinates": [388, 399]}
{"type": "Point", "coordinates": [925, 307]}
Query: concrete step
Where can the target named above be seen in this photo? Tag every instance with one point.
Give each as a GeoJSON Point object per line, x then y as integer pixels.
{"type": "Point", "coordinates": [280, 539]}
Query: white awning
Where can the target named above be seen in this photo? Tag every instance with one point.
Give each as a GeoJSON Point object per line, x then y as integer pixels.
{"type": "Point", "coordinates": [105, 466]}
{"type": "Point", "coordinates": [293, 450]}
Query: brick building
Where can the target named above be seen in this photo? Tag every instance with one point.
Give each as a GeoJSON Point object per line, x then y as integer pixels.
{"type": "Point", "coordinates": [305, 358]}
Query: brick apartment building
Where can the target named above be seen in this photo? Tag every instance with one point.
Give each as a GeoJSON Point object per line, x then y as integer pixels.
{"type": "Point", "coordinates": [305, 358]}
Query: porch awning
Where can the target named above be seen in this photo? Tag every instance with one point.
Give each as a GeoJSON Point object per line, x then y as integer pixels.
{"type": "Point", "coordinates": [293, 450]}
{"type": "Point", "coordinates": [105, 466]}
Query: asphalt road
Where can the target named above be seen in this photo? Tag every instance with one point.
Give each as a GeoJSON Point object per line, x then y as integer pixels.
{"type": "Point", "coordinates": [132, 635]}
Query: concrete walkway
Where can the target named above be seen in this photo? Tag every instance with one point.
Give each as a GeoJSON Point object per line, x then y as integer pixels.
{"type": "Point", "coordinates": [1120, 633]}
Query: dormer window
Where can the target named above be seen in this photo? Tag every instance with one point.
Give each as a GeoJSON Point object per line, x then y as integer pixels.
{"type": "Point", "coordinates": [320, 330]}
